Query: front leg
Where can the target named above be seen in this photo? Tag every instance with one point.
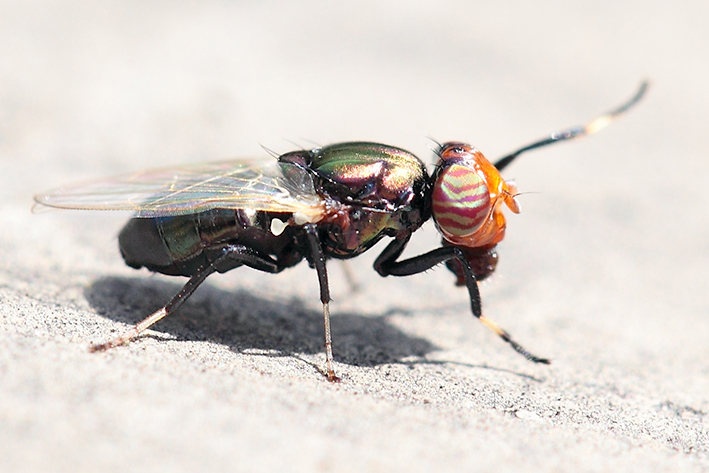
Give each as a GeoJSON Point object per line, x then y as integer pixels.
{"type": "Point", "coordinates": [386, 265]}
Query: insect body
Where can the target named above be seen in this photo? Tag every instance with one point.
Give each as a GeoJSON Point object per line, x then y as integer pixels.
{"type": "Point", "coordinates": [330, 202]}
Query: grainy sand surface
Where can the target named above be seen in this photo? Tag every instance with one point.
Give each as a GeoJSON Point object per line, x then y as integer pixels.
{"type": "Point", "coordinates": [605, 271]}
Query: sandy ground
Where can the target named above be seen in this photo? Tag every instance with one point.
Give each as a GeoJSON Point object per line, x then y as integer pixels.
{"type": "Point", "coordinates": [605, 271]}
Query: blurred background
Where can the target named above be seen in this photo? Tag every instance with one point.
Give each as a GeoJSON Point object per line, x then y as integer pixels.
{"type": "Point", "coordinates": [605, 270]}
{"type": "Point", "coordinates": [90, 90]}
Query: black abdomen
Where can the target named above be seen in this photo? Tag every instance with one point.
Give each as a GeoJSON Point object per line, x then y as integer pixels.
{"type": "Point", "coordinates": [179, 245]}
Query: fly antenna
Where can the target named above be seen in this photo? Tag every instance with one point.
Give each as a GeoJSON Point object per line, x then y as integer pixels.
{"type": "Point", "coordinates": [590, 128]}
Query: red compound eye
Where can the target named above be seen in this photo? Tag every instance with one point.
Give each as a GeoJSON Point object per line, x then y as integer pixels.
{"type": "Point", "coordinates": [461, 200]}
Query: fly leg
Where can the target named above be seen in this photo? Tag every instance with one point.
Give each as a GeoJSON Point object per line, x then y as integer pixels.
{"type": "Point", "coordinates": [233, 252]}
{"type": "Point", "coordinates": [386, 265]}
{"type": "Point", "coordinates": [590, 128]}
{"type": "Point", "coordinates": [318, 260]}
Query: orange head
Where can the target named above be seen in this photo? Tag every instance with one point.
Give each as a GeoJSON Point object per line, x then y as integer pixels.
{"type": "Point", "coordinates": [468, 193]}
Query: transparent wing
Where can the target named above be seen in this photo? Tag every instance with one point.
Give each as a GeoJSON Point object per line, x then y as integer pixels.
{"type": "Point", "coordinates": [191, 189]}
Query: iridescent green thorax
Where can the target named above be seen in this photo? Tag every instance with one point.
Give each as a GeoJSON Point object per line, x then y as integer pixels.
{"type": "Point", "coordinates": [378, 190]}
{"type": "Point", "coordinates": [376, 175]}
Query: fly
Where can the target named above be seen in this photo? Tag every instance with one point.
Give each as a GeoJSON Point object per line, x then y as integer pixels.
{"type": "Point", "coordinates": [335, 201]}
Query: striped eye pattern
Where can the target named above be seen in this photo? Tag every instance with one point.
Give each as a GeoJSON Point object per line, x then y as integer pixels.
{"type": "Point", "coordinates": [461, 200]}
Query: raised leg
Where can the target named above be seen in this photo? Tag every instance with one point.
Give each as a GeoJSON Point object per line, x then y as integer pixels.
{"type": "Point", "coordinates": [241, 253]}
{"type": "Point", "coordinates": [318, 260]}
{"type": "Point", "coordinates": [386, 265]}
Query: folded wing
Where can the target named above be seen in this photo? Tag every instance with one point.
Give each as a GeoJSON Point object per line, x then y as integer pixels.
{"type": "Point", "coordinates": [192, 189]}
